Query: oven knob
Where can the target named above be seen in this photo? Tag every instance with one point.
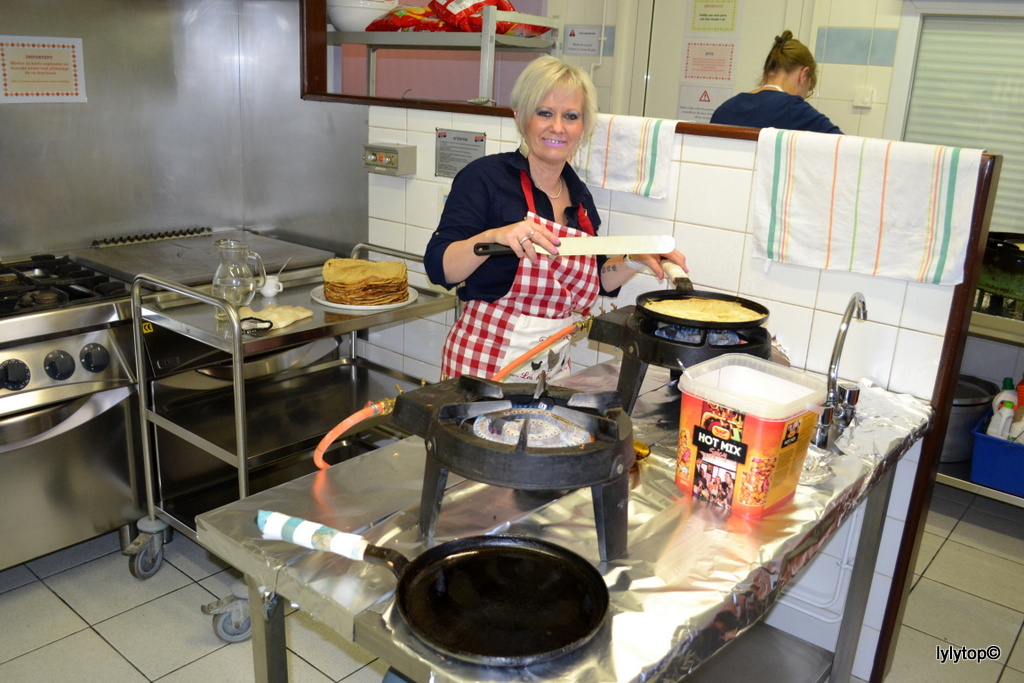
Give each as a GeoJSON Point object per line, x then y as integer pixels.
{"type": "Point", "coordinates": [59, 364]}
{"type": "Point", "coordinates": [14, 374]}
{"type": "Point", "coordinates": [94, 357]}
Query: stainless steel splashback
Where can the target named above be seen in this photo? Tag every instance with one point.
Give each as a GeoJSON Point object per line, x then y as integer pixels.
{"type": "Point", "coordinates": [193, 119]}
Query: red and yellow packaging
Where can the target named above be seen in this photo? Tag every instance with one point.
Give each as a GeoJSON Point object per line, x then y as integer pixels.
{"type": "Point", "coordinates": [744, 428]}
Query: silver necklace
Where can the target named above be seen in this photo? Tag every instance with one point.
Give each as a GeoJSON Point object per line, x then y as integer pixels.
{"type": "Point", "coordinates": [775, 87]}
{"type": "Point", "coordinates": [561, 186]}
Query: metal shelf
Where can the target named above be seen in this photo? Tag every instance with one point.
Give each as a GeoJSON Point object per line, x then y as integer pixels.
{"type": "Point", "coordinates": [487, 42]}
{"type": "Point", "coordinates": [995, 328]}
{"type": "Point", "coordinates": [970, 486]}
{"type": "Point", "coordinates": [192, 315]}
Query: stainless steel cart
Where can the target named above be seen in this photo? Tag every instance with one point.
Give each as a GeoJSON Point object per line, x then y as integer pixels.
{"type": "Point", "coordinates": [225, 413]}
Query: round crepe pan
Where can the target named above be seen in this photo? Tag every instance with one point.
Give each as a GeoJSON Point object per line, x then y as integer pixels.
{"type": "Point", "coordinates": [663, 294]}
{"type": "Point", "coordinates": [498, 600]}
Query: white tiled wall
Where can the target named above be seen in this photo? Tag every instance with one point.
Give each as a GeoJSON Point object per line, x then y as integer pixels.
{"type": "Point", "coordinates": [897, 348]}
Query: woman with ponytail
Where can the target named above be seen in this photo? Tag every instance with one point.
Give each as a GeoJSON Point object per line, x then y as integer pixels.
{"type": "Point", "coordinates": [789, 77]}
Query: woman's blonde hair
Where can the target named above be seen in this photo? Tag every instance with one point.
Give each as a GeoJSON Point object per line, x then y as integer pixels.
{"type": "Point", "coordinates": [788, 54]}
{"type": "Point", "coordinates": [543, 75]}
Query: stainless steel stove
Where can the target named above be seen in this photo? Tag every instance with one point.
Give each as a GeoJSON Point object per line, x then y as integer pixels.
{"type": "Point", "coordinates": [67, 421]}
{"type": "Point", "coordinates": [63, 333]}
{"type": "Point", "coordinates": [69, 418]}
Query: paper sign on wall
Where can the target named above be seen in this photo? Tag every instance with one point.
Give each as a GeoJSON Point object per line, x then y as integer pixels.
{"type": "Point", "coordinates": [709, 61]}
{"type": "Point", "coordinates": [583, 41]}
{"type": "Point", "coordinates": [454, 149]}
{"type": "Point", "coordinates": [698, 102]}
{"type": "Point", "coordinates": [713, 15]}
{"type": "Point", "coordinates": [38, 69]}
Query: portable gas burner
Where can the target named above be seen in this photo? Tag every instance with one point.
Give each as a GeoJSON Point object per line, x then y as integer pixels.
{"type": "Point", "coordinates": [524, 436]}
{"type": "Point", "coordinates": [647, 337]}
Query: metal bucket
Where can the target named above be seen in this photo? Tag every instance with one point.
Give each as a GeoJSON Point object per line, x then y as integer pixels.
{"type": "Point", "coordinates": [973, 397]}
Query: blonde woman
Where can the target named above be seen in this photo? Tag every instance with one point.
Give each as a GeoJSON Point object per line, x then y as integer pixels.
{"type": "Point", "coordinates": [515, 301]}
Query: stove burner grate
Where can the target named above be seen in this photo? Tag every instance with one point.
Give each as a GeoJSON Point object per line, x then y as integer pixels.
{"type": "Point", "coordinates": [646, 340]}
{"type": "Point", "coordinates": [525, 437]}
{"type": "Point", "coordinates": [47, 282]}
{"type": "Point", "coordinates": [543, 428]}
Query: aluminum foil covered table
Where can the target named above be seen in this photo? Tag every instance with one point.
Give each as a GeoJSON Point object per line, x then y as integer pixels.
{"type": "Point", "coordinates": [687, 560]}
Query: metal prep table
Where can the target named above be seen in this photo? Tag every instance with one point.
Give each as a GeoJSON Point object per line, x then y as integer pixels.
{"type": "Point", "coordinates": [687, 560]}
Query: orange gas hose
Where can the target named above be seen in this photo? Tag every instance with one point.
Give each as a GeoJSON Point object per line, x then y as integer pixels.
{"type": "Point", "coordinates": [371, 409]}
{"type": "Point", "coordinates": [565, 332]}
{"type": "Point", "coordinates": [385, 406]}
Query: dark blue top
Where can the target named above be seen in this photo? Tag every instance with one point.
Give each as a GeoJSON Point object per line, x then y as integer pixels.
{"type": "Point", "coordinates": [772, 109]}
{"type": "Point", "coordinates": [488, 193]}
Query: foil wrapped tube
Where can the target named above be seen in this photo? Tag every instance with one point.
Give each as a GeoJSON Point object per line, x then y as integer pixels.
{"type": "Point", "coordinates": [694, 576]}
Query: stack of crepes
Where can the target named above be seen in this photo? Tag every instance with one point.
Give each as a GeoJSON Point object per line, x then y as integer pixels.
{"type": "Point", "coordinates": [355, 282]}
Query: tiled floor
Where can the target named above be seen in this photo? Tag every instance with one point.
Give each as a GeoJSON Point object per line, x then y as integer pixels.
{"type": "Point", "coordinates": [79, 615]}
{"type": "Point", "coordinates": [968, 594]}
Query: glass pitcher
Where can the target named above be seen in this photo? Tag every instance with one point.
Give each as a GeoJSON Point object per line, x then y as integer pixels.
{"type": "Point", "coordinates": [239, 274]}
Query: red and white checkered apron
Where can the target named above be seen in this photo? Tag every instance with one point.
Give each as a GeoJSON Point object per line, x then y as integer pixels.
{"type": "Point", "coordinates": [540, 302]}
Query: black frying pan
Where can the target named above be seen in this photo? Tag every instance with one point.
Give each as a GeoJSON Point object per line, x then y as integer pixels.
{"type": "Point", "coordinates": [662, 294]}
{"type": "Point", "coordinates": [495, 600]}
{"type": "Point", "coordinates": [500, 600]}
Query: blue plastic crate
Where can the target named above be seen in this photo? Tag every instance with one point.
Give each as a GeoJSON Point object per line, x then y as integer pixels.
{"type": "Point", "coordinates": [997, 463]}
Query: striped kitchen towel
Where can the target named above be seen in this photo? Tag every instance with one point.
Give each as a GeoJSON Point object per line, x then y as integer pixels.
{"type": "Point", "coordinates": [865, 205]}
{"type": "Point", "coordinates": [628, 154]}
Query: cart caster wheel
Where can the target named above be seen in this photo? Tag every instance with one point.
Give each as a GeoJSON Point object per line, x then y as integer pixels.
{"type": "Point", "coordinates": [146, 562]}
{"type": "Point", "coordinates": [224, 627]}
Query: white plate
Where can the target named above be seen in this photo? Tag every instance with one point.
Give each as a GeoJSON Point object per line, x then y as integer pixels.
{"type": "Point", "coordinates": [318, 296]}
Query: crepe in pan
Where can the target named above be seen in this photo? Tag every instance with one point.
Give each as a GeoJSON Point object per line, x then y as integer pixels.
{"type": "Point", "coordinates": [706, 310]}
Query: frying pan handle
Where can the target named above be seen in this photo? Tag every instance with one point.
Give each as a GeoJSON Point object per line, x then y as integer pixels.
{"type": "Point", "coordinates": [394, 560]}
{"type": "Point", "coordinates": [491, 249]}
{"type": "Point", "coordinates": [278, 526]}
{"type": "Point", "coordinates": [677, 276]}
{"type": "Point", "coordinates": [673, 271]}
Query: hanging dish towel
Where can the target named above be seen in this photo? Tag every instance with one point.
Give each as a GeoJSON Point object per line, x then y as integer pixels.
{"type": "Point", "coordinates": [628, 154]}
{"type": "Point", "coordinates": [880, 207]}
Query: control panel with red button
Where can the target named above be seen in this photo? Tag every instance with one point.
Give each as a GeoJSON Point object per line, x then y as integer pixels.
{"type": "Point", "coordinates": [389, 159]}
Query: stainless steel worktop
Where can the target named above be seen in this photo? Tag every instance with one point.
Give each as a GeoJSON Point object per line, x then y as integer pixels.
{"type": "Point", "coordinates": [198, 320]}
{"type": "Point", "coordinates": [687, 560]}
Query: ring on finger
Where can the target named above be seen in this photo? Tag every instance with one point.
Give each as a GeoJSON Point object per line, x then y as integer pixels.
{"type": "Point", "coordinates": [531, 234]}
{"type": "Point", "coordinates": [525, 239]}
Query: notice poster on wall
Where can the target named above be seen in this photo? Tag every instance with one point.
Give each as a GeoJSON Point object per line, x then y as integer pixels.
{"type": "Point", "coordinates": [709, 61]}
{"type": "Point", "coordinates": [582, 41]}
{"type": "Point", "coordinates": [454, 149]}
{"type": "Point", "coordinates": [709, 57]}
{"type": "Point", "coordinates": [38, 69]}
{"type": "Point", "coordinates": [713, 15]}
{"type": "Point", "coordinates": [698, 102]}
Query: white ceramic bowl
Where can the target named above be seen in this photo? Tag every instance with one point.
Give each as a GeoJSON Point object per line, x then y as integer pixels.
{"type": "Point", "coordinates": [356, 15]}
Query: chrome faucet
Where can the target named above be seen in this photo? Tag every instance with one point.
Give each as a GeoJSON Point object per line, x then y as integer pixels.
{"type": "Point", "coordinates": [837, 411]}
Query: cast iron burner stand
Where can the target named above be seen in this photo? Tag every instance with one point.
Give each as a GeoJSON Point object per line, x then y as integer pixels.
{"type": "Point", "coordinates": [449, 415]}
{"type": "Point", "coordinates": [627, 328]}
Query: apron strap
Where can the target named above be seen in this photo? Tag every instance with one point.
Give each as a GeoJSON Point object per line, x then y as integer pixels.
{"type": "Point", "coordinates": [582, 219]}
{"type": "Point", "coordinates": [524, 180]}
